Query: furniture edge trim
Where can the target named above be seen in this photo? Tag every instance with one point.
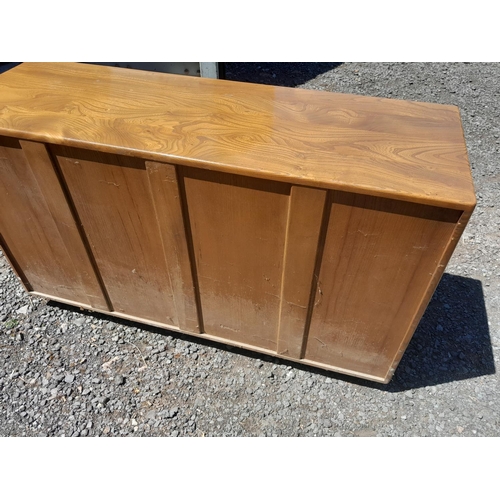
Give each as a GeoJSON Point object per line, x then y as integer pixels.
{"type": "Point", "coordinates": [431, 288]}
{"type": "Point", "coordinates": [468, 203]}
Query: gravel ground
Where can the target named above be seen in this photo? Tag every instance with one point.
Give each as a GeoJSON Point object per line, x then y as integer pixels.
{"type": "Point", "coordinates": [66, 372]}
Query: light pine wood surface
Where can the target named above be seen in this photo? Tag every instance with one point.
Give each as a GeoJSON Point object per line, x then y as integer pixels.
{"type": "Point", "coordinates": [400, 149]}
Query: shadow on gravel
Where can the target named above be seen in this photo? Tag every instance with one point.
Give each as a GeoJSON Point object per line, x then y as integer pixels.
{"type": "Point", "coordinates": [282, 74]}
{"type": "Point", "coordinates": [452, 341]}
{"type": "Point", "coordinates": [6, 66]}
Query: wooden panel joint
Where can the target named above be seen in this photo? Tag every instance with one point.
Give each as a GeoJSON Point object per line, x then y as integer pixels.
{"type": "Point", "coordinates": [305, 214]}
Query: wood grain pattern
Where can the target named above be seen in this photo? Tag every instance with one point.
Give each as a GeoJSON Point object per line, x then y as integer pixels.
{"type": "Point", "coordinates": [38, 228]}
{"type": "Point", "coordinates": [305, 215]}
{"type": "Point", "coordinates": [378, 262]}
{"type": "Point", "coordinates": [167, 199]}
{"type": "Point", "coordinates": [238, 226]}
{"type": "Point", "coordinates": [112, 196]}
{"type": "Point", "coordinates": [398, 149]}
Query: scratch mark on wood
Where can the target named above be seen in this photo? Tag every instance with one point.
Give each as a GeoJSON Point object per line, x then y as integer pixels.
{"type": "Point", "coordinates": [320, 293]}
{"type": "Point", "coordinates": [295, 305]}
{"type": "Point", "coordinates": [366, 234]}
{"type": "Point", "coordinates": [228, 328]}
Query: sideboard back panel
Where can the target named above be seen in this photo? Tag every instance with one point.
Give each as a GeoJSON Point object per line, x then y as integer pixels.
{"type": "Point", "coordinates": [238, 227]}
{"type": "Point", "coordinates": [38, 230]}
{"type": "Point", "coordinates": [379, 258]}
{"type": "Point", "coordinates": [112, 198]}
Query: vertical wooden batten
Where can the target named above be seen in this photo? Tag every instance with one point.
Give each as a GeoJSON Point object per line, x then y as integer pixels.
{"type": "Point", "coordinates": [168, 201]}
{"type": "Point", "coordinates": [304, 220]}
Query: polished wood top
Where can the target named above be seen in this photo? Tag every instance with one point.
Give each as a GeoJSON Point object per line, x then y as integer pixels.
{"type": "Point", "coordinates": [405, 150]}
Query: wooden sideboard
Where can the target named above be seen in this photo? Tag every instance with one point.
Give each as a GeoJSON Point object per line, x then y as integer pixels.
{"type": "Point", "coordinates": [307, 225]}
